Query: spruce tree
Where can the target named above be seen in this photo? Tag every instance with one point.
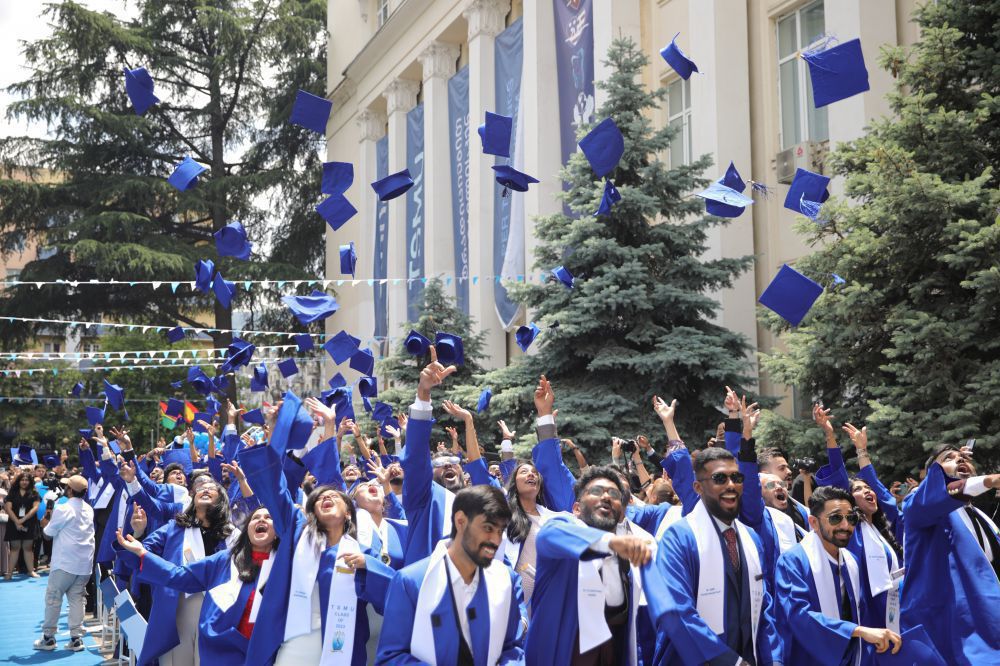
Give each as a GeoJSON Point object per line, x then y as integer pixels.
{"type": "Point", "coordinates": [638, 322]}
{"type": "Point", "coordinates": [907, 344]}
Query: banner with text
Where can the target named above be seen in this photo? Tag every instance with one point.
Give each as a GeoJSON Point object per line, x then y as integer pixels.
{"type": "Point", "coordinates": [458, 139]}
{"type": "Point", "coordinates": [575, 64]}
{"type": "Point", "coordinates": [381, 262]}
{"type": "Point", "coordinates": [415, 211]}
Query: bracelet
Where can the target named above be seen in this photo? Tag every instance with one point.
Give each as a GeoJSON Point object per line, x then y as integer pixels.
{"type": "Point", "coordinates": [863, 452]}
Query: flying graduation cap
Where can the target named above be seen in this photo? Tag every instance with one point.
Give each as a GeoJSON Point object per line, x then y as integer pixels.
{"type": "Point", "coordinates": [201, 382]}
{"type": "Point", "coordinates": [288, 368]}
{"type": "Point", "coordinates": [311, 112]}
{"type": "Point", "coordinates": [807, 193]}
{"type": "Point", "coordinates": [139, 88]}
{"type": "Point", "coordinates": [24, 455]}
{"type": "Point", "coordinates": [416, 344]}
{"type": "Point", "coordinates": [563, 275]}
{"type": "Point", "coordinates": [185, 175]}
{"type": "Point", "coordinates": [303, 342]}
{"type": "Point", "coordinates": [368, 387]}
{"type": "Point", "coordinates": [484, 400]}
{"type": "Point", "coordinates": [341, 346]}
{"type": "Point", "coordinates": [203, 271]}
{"type": "Point", "coordinates": [115, 395]}
{"type": "Point", "coordinates": [258, 378]}
{"type": "Point", "coordinates": [525, 335]}
{"type": "Point", "coordinates": [224, 290]}
{"type": "Point", "coordinates": [77, 389]}
{"type": "Point", "coordinates": [609, 198]}
{"type": "Point", "coordinates": [450, 350]}
{"type": "Point", "coordinates": [790, 294]}
{"type": "Point", "coordinates": [95, 415]}
{"type": "Point", "coordinates": [315, 307]}
{"type": "Point", "coordinates": [231, 241]}
{"type": "Point", "coordinates": [348, 259]}
{"type": "Point", "coordinates": [337, 381]}
{"type": "Point", "coordinates": [676, 58]}
{"type": "Point", "coordinates": [238, 354]}
{"type": "Point", "coordinates": [724, 198]}
{"type": "Point", "coordinates": [603, 147]}
{"type": "Point", "coordinates": [512, 179]}
{"type": "Point", "coordinates": [253, 416]}
{"type": "Point", "coordinates": [176, 334]}
{"type": "Point", "coordinates": [363, 361]}
{"type": "Point", "coordinates": [336, 210]}
{"type": "Point", "coordinates": [837, 73]}
{"type": "Point", "coordinates": [495, 133]}
{"type": "Point", "coordinates": [393, 185]}
{"type": "Point", "coordinates": [337, 177]}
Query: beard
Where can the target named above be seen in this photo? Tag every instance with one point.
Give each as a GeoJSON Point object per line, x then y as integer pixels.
{"type": "Point", "coordinates": [716, 509]}
{"type": "Point", "coordinates": [590, 517]}
{"type": "Point", "coordinates": [838, 537]}
{"type": "Point", "coordinates": [475, 551]}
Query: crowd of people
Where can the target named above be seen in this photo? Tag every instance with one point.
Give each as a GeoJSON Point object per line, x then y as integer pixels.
{"type": "Point", "coordinates": [279, 546]}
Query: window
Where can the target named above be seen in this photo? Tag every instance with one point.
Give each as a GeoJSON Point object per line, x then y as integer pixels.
{"type": "Point", "coordinates": [382, 11]}
{"type": "Point", "coordinates": [52, 347]}
{"type": "Point", "coordinates": [800, 119]}
{"type": "Point", "coordinates": [679, 117]}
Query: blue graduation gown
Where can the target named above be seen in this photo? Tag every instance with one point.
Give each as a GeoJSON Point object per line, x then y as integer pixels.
{"type": "Point", "coordinates": [424, 501]}
{"type": "Point", "coordinates": [263, 467]}
{"type": "Point", "coordinates": [560, 484]}
{"type": "Point", "coordinates": [397, 543]}
{"type": "Point", "coordinates": [678, 467]}
{"type": "Point", "coordinates": [109, 537]}
{"type": "Point", "coordinates": [397, 627]}
{"type": "Point", "coordinates": [810, 637]}
{"type": "Point", "coordinates": [479, 473]}
{"type": "Point", "coordinates": [949, 586]}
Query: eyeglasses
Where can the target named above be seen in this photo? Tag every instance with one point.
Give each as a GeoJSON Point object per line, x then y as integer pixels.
{"type": "Point", "coordinates": [444, 461]}
{"type": "Point", "coordinates": [772, 485]}
{"type": "Point", "coordinates": [720, 478]}
{"type": "Point", "coordinates": [835, 518]}
{"type": "Point", "coordinates": [601, 491]}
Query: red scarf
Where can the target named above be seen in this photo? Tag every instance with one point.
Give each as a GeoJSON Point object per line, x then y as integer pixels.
{"type": "Point", "coordinates": [245, 626]}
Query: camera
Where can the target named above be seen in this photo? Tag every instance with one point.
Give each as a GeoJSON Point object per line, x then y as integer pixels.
{"type": "Point", "coordinates": [808, 464]}
{"type": "Point", "coordinates": [630, 446]}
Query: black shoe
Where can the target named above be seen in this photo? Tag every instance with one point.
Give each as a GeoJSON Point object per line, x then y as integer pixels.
{"type": "Point", "coordinates": [76, 644]}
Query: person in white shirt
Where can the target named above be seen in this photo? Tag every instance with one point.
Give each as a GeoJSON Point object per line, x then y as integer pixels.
{"type": "Point", "coordinates": [71, 529]}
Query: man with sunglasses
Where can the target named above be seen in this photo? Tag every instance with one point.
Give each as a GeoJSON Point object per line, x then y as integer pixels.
{"type": "Point", "coordinates": [818, 590]}
{"type": "Point", "coordinates": [707, 593]}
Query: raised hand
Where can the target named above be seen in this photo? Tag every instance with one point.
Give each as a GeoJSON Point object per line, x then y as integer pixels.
{"type": "Point", "coordinates": [84, 444]}
{"type": "Point", "coordinates": [127, 472]}
{"type": "Point", "coordinates": [506, 432]}
{"type": "Point", "coordinates": [121, 434]}
{"type": "Point", "coordinates": [129, 543]}
{"type": "Point", "coordinates": [139, 519]}
{"type": "Point", "coordinates": [732, 402]}
{"type": "Point", "coordinates": [634, 549]}
{"type": "Point", "coordinates": [209, 427]}
{"type": "Point", "coordinates": [663, 410]}
{"type": "Point", "coordinates": [823, 417]}
{"type": "Point", "coordinates": [432, 375]}
{"type": "Point", "coordinates": [97, 434]}
{"type": "Point", "coordinates": [643, 443]}
{"type": "Point", "coordinates": [458, 412]}
{"type": "Point", "coordinates": [232, 412]}
{"type": "Point", "coordinates": [858, 437]}
{"type": "Point", "coordinates": [234, 471]}
{"type": "Point", "coordinates": [378, 471]}
{"type": "Point", "coordinates": [393, 431]}
{"type": "Point", "coordinates": [749, 414]}
{"type": "Point", "coordinates": [452, 433]}
{"type": "Point", "coordinates": [346, 426]}
{"type": "Point", "coordinates": [319, 410]}
{"type": "Point", "coordinates": [403, 420]}
{"type": "Point", "coordinates": [544, 397]}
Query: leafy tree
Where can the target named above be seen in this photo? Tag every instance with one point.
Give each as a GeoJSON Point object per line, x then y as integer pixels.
{"type": "Point", "coordinates": [907, 344]}
{"type": "Point", "coordinates": [638, 321]}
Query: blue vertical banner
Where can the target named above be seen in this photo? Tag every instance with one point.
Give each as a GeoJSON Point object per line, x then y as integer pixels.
{"type": "Point", "coordinates": [509, 209]}
{"type": "Point", "coordinates": [415, 212]}
{"type": "Point", "coordinates": [379, 286]}
{"type": "Point", "coordinates": [458, 139]}
{"type": "Point", "coordinates": [575, 65]}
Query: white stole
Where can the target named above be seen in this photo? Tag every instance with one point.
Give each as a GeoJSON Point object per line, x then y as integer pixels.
{"type": "Point", "coordinates": [711, 579]}
{"type": "Point", "coordinates": [341, 611]}
{"type": "Point", "coordinates": [785, 528]}
{"type": "Point", "coordinates": [449, 499]}
{"type": "Point", "coordinates": [192, 550]}
{"type": "Point", "coordinates": [104, 495]}
{"type": "Point", "coordinates": [433, 588]}
{"type": "Point", "coordinates": [181, 494]}
{"type": "Point", "coordinates": [305, 566]}
{"type": "Point", "coordinates": [673, 514]}
{"type": "Point", "coordinates": [882, 574]}
{"type": "Point", "coordinates": [819, 562]}
{"type": "Point", "coordinates": [122, 509]}
{"type": "Point", "coordinates": [225, 594]}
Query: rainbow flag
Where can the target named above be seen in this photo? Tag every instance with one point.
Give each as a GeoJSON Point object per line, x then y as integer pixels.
{"type": "Point", "coordinates": [189, 411]}
{"type": "Point", "coordinates": [168, 422]}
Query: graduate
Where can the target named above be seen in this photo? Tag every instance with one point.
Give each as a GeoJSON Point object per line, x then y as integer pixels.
{"type": "Point", "coordinates": [461, 606]}
{"type": "Point", "coordinates": [773, 461]}
{"type": "Point", "coordinates": [818, 591]}
{"type": "Point", "coordinates": [706, 590]}
{"type": "Point", "coordinates": [952, 555]}
{"type": "Point", "coordinates": [587, 582]}
{"type": "Point", "coordinates": [525, 496]}
{"type": "Point", "coordinates": [233, 580]}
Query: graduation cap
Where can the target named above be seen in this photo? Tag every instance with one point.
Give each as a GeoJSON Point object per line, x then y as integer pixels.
{"type": "Point", "coordinates": [203, 271]}
{"type": "Point", "coordinates": [25, 455]}
{"type": "Point", "coordinates": [341, 346]}
{"type": "Point", "coordinates": [174, 408]}
{"type": "Point", "coordinates": [178, 456]}
{"type": "Point", "coordinates": [336, 210]}
{"type": "Point", "coordinates": [288, 368]}
{"type": "Point", "coordinates": [348, 259]}
{"type": "Point", "coordinates": [231, 241]}
{"type": "Point", "coordinates": [603, 147]}
{"type": "Point", "coordinates": [393, 185]}
{"type": "Point", "coordinates": [363, 361]}
{"type": "Point", "coordinates": [212, 405]}
{"type": "Point", "coordinates": [337, 177]}
{"type": "Point", "coordinates": [176, 334]}
{"type": "Point", "coordinates": [77, 389]}
{"type": "Point", "coordinates": [449, 349]}
{"type": "Point", "coordinates": [525, 335]}
{"type": "Point", "coordinates": [806, 186]}
{"type": "Point", "coordinates": [253, 416]}
{"type": "Point", "coordinates": [185, 175]}
{"type": "Point", "coordinates": [224, 290]}
{"type": "Point", "coordinates": [416, 344]}
{"type": "Point", "coordinates": [177, 384]}
{"type": "Point", "coordinates": [340, 400]}
{"type": "Point", "coordinates": [837, 279]}
{"type": "Point", "coordinates": [676, 58]}
{"type": "Point", "coordinates": [495, 133]}
{"type": "Point", "coordinates": [311, 112]}
{"type": "Point", "coordinates": [837, 73]}
{"type": "Point", "coordinates": [563, 275]}
{"type": "Point", "coordinates": [139, 88]}
{"type": "Point", "coordinates": [512, 179]}
{"type": "Point", "coordinates": [95, 415]}
{"type": "Point", "coordinates": [722, 202]}
{"type": "Point", "coordinates": [382, 412]}
{"type": "Point", "coordinates": [86, 433]}
{"type": "Point", "coordinates": [337, 381]}
{"type": "Point", "coordinates": [315, 307]}
{"type": "Point", "coordinates": [51, 460]}
{"type": "Point", "coordinates": [258, 378]}
{"type": "Point", "coordinates": [368, 387]}
{"type": "Point", "coordinates": [115, 395]}
{"type": "Point", "coordinates": [201, 382]}
{"type": "Point", "coordinates": [238, 355]}
{"type": "Point", "coordinates": [917, 650]}
{"type": "Point", "coordinates": [219, 384]}
{"type": "Point", "coordinates": [303, 342]}
{"type": "Point", "coordinates": [484, 400]}
{"type": "Point", "coordinates": [609, 198]}
{"type": "Point", "coordinates": [200, 416]}
{"type": "Point", "coordinates": [790, 294]}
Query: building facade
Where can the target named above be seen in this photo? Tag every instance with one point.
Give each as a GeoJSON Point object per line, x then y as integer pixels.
{"type": "Point", "coordinates": [398, 73]}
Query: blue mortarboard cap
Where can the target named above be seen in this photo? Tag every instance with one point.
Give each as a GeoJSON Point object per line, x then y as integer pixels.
{"type": "Point", "coordinates": [609, 198]}
{"type": "Point", "coordinates": [311, 112]}
{"type": "Point", "coordinates": [393, 422]}
{"type": "Point", "coordinates": [174, 408]}
{"type": "Point", "coordinates": [337, 177]}
{"type": "Point", "coordinates": [51, 460]}
{"type": "Point", "coordinates": [212, 405]}
{"type": "Point", "coordinates": [363, 361]}
{"type": "Point", "coordinates": [185, 175]}
{"type": "Point", "coordinates": [368, 387]}
{"type": "Point", "coordinates": [449, 349]}
{"type": "Point", "coordinates": [341, 347]}
{"type": "Point", "coordinates": [563, 275]}
{"type": "Point", "coordinates": [77, 389]}
{"type": "Point", "coordinates": [790, 294]}
{"type": "Point", "coordinates": [139, 88]}
{"type": "Point", "coordinates": [176, 334]}
{"type": "Point", "coordinates": [224, 290]}
{"type": "Point", "coordinates": [342, 403]}
{"type": "Point", "coordinates": [86, 433]}
{"type": "Point", "coordinates": [177, 384]}
{"type": "Point", "coordinates": [382, 412]}
{"type": "Point", "coordinates": [809, 186]}
{"type": "Point", "coordinates": [115, 395]}
{"type": "Point", "coordinates": [179, 456]}
{"type": "Point", "coordinates": [416, 344]}
{"type": "Point", "coordinates": [837, 279]}
{"type": "Point", "coordinates": [719, 206]}
{"type": "Point", "coordinates": [917, 650]}
{"type": "Point", "coordinates": [238, 355]}
{"type": "Point", "coordinates": [683, 65]}
{"type": "Point", "coordinates": [115, 448]}
{"type": "Point", "coordinates": [200, 416]}
{"type": "Point", "coordinates": [495, 133]}
{"type": "Point", "coordinates": [513, 179]}
{"type": "Point", "coordinates": [348, 259]}
{"type": "Point", "coordinates": [393, 185]}
{"type": "Point", "coordinates": [484, 400]}
{"type": "Point", "coordinates": [603, 147]}
{"type": "Point", "coordinates": [201, 382]}
{"type": "Point", "coordinates": [525, 335]}
{"type": "Point", "coordinates": [203, 271]}
{"type": "Point", "coordinates": [810, 208]}
{"type": "Point", "coordinates": [288, 368]}
{"type": "Point", "coordinates": [837, 73]}
{"type": "Point", "coordinates": [337, 381]}
{"type": "Point", "coordinates": [219, 384]}
{"type": "Point", "coordinates": [253, 416]}
{"type": "Point", "coordinates": [303, 342]}
{"type": "Point", "coordinates": [336, 210]}
{"type": "Point", "coordinates": [367, 404]}
{"type": "Point", "coordinates": [727, 196]}
{"type": "Point", "coordinates": [25, 455]}
{"type": "Point", "coordinates": [315, 307]}
{"type": "Point", "coordinates": [258, 378]}
{"type": "Point", "coordinates": [231, 241]}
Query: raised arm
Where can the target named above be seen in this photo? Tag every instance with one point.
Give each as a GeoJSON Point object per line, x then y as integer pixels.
{"type": "Point", "coordinates": [834, 473]}
{"type": "Point", "coordinates": [886, 500]}
{"type": "Point", "coordinates": [560, 483]}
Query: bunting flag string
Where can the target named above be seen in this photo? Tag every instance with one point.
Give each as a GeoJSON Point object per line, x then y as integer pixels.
{"type": "Point", "coordinates": [159, 364]}
{"type": "Point", "coordinates": [49, 399]}
{"type": "Point", "coordinates": [126, 355]}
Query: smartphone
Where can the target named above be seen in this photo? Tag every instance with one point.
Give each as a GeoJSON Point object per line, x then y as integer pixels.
{"type": "Point", "coordinates": [970, 443]}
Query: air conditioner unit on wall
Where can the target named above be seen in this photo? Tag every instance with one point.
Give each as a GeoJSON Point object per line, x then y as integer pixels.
{"type": "Point", "coordinates": [800, 156]}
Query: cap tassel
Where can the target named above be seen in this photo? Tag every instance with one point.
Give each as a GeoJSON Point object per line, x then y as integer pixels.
{"type": "Point", "coordinates": [505, 192]}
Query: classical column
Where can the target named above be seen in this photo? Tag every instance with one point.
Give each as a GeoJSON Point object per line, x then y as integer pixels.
{"type": "Point", "coordinates": [485, 21]}
{"type": "Point", "coordinates": [612, 19]}
{"type": "Point", "coordinates": [400, 96]}
{"type": "Point", "coordinates": [438, 61]}
{"type": "Point", "coordinates": [371, 128]}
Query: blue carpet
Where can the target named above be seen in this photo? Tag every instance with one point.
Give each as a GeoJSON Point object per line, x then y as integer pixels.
{"type": "Point", "coordinates": [23, 601]}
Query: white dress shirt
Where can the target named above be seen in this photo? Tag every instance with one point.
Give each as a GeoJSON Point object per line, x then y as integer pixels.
{"type": "Point", "coordinates": [614, 593]}
{"type": "Point", "coordinates": [464, 592]}
{"type": "Point", "coordinates": [72, 533]}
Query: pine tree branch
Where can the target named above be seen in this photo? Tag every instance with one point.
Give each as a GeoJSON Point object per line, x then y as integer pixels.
{"type": "Point", "coordinates": [241, 69]}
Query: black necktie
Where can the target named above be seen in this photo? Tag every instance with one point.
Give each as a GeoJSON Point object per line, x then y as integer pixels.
{"type": "Point", "coordinates": [843, 599]}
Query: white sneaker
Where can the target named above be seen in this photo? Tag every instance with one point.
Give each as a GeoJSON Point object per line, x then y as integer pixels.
{"type": "Point", "coordinates": [45, 643]}
{"type": "Point", "coordinates": [75, 644]}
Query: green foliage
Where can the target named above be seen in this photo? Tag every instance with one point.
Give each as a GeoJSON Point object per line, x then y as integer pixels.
{"type": "Point", "coordinates": [908, 345]}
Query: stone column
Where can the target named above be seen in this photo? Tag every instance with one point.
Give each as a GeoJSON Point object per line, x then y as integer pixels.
{"type": "Point", "coordinates": [371, 128]}
{"type": "Point", "coordinates": [612, 19]}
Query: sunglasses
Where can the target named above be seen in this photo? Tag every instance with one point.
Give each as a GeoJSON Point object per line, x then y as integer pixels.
{"type": "Point", "coordinates": [600, 491]}
{"type": "Point", "coordinates": [836, 518]}
{"type": "Point", "coordinates": [720, 478]}
{"type": "Point", "coordinates": [444, 461]}
{"type": "Point", "coordinates": [773, 485]}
